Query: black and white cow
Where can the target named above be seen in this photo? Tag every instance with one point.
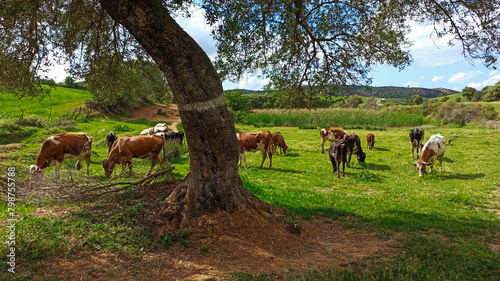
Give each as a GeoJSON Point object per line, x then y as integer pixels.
{"type": "Point", "coordinates": [416, 141]}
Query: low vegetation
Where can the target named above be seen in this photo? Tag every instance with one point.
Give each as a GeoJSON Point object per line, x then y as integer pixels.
{"type": "Point", "coordinates": [444, 226]}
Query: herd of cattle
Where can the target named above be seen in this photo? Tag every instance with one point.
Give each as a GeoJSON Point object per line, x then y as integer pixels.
{"type": "Point", "coordinates": [120, 150]}
{"type": "Point", "coordinates": [151, 141]}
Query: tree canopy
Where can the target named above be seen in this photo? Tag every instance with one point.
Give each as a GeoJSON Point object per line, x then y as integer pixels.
{"type": "Point", "coordinates": [302, 46]}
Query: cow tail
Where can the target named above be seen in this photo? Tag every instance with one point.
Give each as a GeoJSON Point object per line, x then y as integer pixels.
{"type": "Point", "coordinates": [270, 148]}
{"type": "Point", "coordinates": [449, 142]}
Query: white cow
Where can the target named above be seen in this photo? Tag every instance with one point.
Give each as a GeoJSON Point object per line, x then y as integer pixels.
{"type": "Point", "coordinates": [433, 149]}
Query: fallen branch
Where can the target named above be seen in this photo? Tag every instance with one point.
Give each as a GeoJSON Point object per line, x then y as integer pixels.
{"type": "Point", "coordinates": [143, 181]}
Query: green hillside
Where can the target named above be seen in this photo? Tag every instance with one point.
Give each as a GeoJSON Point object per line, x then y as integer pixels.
{"type": "Point", "coordinates": [61, 101]}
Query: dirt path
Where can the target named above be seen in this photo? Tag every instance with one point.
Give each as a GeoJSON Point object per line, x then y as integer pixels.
{"type": "Point", "coordinates": [151, 113]}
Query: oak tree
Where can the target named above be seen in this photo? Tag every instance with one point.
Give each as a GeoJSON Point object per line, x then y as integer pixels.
{"type": "Point", "coordinates": [303, 46]}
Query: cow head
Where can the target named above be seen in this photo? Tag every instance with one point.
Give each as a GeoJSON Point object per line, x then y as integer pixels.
{"type": "Point", "coordinates": [285, 148]}
{"type": "Point", "coordinates": [36, 174]}
{"type": "Point", "coordinates": [361, 157]}
{"type": "Point", "coordinates": [421, 167]}
{"type": "Point", "coordinates": [108, 167]}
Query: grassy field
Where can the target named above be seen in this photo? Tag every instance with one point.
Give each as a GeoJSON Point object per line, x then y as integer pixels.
{"type": "Point", "coordinates": [445, 223]}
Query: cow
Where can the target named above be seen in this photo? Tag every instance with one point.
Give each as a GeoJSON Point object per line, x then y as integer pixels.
{"type": "Point", "coordinates": [370, 141]}
{"type": "Point", "coordinates": [338, 154]}
{"type": "Point", "coordinates": [354, 147]}
{"type": "Point", "coordinates": [110, 140]}
{"type": "Point", "coordinates": [433, 149]}
{"type": "Point", "coordinates": [330, 135]}
{"type": "Point", "coordinates": [252, 142]}
{"type": "Point", "coordinates": [158, 128]}
{"type": "Point", "coordinates": [127, 148]}
{"type": "Point", "coordinates": [59, 147]}
{"type": "Point", "coordinates": [416, 137]}
{"type": "Point", "coordinates": [279, 140]}
{"type": "Point", "coordinates": [177, 136]}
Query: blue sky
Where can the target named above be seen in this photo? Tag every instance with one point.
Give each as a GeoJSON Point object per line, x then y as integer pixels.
{"type": "Point", "coordinates": [435, 64]}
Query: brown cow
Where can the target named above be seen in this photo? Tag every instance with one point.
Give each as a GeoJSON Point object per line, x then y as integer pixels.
{"type": "Point", "coordinates": [338, 154]}
{"type": "Point", "coordinates": [126, 148]}
{"type": "Point", "coordinates": [330, 135]}
{"type": "Point", "coordinates": [252, 142]}
{"type": "Point", "coordinates": [279, 140]}
{"type": "Point", "coordinates": [370, 141]}
{"type": "Point", "coordinates": [57, 148]}
{"type": "Point", "coordinates": [354, 143]}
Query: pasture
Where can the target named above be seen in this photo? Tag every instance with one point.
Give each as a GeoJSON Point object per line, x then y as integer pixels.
{"type": "Point", "coordinates": [442, 226]}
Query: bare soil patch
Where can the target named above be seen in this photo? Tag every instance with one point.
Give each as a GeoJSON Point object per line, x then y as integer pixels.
{"type": "Point", "coordinates": [244, 247]}
{"type": "Point", "coordinates": [151, 113]}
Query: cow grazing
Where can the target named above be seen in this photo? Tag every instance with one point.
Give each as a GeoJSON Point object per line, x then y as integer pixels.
{"type": "Point", "coordinates": [252, 142]}
{"type": "Point", "coordinates": [110, 140]}
{"type": "Point", "coordinates": [177, 136]}
{"type": "Point", "coordinates": [127, 148]}
{"type": "Point", "coordinates": [158, 128]}
{"type": "Point", "coordinates": [433, 149]}
{"type": "Point", "coordinates": [338, 154]}
{"type": "Point", "coordinates": [330, 135]}
{"type": "Point", "coordinates": [370, 141]}
{"type": "Point", "coordinates": [279, 140]}
{"type": "Point", "coordinates": [416, 137]}
{"type": "Point", "coordinates": [63, 146]}
{"type": "Point", "coordinates": [354, 147]}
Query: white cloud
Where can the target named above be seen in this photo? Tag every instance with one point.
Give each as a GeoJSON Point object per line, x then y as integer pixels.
{"type": "Point", "coordinates": [464, 77]}
{"type": "Point", "coordinates": [411, 84]}
{"type": "Point", "coordinates": [252, 83]}
{"type": "Point", "coordinates": [477, 86]}
{"type": "Point", "coordinates": [430, 51]}
{"type": "Point", "coordinates": [437, 78]}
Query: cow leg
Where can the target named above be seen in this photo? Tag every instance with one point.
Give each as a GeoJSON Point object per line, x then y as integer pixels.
{"type": "Point", "coordinates": [87, 161]}
{"type": "Point", "coordinates": [130, 166]}
{"type": "Point", "coordinates": [348, 160]}
{"type": "Point", "coordinates": [337, 163]}
{"type": "Point", "coordinates": [78, 165]}
{"type": "Point", "coordinates": [244, 159]}
{"type": "Point", "coordinates": [270, 154]}
{"type": "Point", "coordinates": [412, 149]}
{"type": "Point", "coordinates": [440, 163]}
{"type": "Point", "coordinates": [57, 167]}
{"type": "Point", "coordinates": [323, 146]}
{"type": "Point", "coordinates": [263, 158]}
{"type": "Point", "coordinates": [153, 164]}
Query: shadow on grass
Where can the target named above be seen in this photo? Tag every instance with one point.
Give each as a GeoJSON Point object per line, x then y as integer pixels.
{"type": "Point", "coordinates": [456, 176]}
{"type": "Point", "coordinates": [377, 167]}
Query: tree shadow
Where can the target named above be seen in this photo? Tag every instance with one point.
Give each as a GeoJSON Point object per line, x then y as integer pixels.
{"type": "Point", "coordinates": [380, 149]}
{"type": "Point", "coordinates": [288, 154]}
{"type": "Point", "coordinates": [456, 176]}
{"type": "Point", "coordinates": [377, 167]}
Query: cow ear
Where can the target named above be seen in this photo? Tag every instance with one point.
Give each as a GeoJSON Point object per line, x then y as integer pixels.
{"type": "Point", "coordinates": [415, 164]}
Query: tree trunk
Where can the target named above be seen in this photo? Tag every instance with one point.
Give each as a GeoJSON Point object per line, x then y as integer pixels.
{"type": "Point", "coordinates": [213, 184]}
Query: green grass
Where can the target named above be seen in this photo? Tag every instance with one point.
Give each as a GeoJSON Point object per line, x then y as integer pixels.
{"type": "Point", "coordinates": [333, 117]}
{"type": "Point", "coordinates": [61, 101]}
{"type": "Point", "coordinates": [443, 223]}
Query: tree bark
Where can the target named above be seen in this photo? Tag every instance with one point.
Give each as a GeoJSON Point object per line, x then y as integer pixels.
{"type": "Point", "coordinates": [213, 184]}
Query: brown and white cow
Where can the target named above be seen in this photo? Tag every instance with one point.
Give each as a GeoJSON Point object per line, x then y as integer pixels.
{"type": "Point", "coordinates": [370, 141]}
{"type": "Point", "coordinates": [59, 147]}
{"type": "Point", "coordinates": [279, 140]}
{"type": "Point", "coordinates": [252, 142]}
{"type": "Point", "coordinates": [354, 143]}
{"type": "Point", "coordinates": [158, 128]}
{"type": "Point", "coordinates": [330, 135]}
{"type": "Point", "coordinates": [416, 137]}
{"type": "Point", "coordinates": [433, 149]}
{"type": "Point", "coordinates": [126, 148]}
{"type": "Point", "coordinates": [338, 154]}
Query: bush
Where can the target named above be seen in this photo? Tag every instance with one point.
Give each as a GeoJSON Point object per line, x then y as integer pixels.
{"type": "Point", "coordinates": [173, 151]}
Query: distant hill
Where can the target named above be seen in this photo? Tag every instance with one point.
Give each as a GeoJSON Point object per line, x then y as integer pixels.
{"type": "Point", "coordinates": [398, 92]}
{"type": "Point", "coordinates": [381, 92]}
